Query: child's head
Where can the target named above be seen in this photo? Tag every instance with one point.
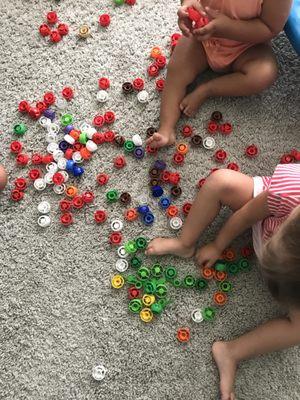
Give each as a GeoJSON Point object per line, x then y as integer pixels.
{"type": "Point", "coordinates": [281, 261]}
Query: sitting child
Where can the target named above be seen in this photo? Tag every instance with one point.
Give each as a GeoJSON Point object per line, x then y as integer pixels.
{"type": "Point", "coordinates": [3, 178]}
{"type": "Point", "coordinates": [236, 43]}
{"type": "Point", "coordinates": [271, 205]}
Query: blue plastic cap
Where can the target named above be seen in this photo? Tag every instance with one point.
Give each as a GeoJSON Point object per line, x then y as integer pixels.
{"type": "Point", "coordinates": [139, 152]}
{"type": "Point", "coordinates": [49, 113]}
{"type": "Point", "coordinates": [69, 166]}
{"type": "Point", "coordinates": [148, 218]}
{"type": "Point", "coordinates": [157, 191]}
{"type": "Point", "coordinates": [164, 203]}
{"type": "Point", "coordinates": [68, 129]}
{"type": "Point", "coordinates": [143, 209]}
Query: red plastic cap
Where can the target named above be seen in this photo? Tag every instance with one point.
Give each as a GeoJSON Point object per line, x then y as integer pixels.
{"type": "Point", "coordinates": [251, 151]}
{"type": "Point", "coordinates": [104, 20]}
{"type": "Point", "coordinates": [100, 216]}
{"type": "Point", "coordinates": [160, 85]}
{"type": "Point", "coordinates": [34, 174]}
{"type": "Point", "coordinates": [98, 138]}
{"type": "Point", "coordinates": [49, 98]}
{"type": "Point", "coordinates": [65, 205]}
{"type": "Point", "coordinates": [226, 128]}
{"type": "Point", "coordinates": [20, 183]}
{"type": "Point", "coordinates": [55, 37]}
{"type": "Point", "coordinates": [88, 197]}
{"type": "Point", "coordinates": [16, 195]}
{"type": "Point", "coordinates": [23, 106]}
{"type": "Point", "coordinates": [183, 335]}
{"type": "Point", "coordinates": [102, 179]}
{"type": "Point", "coordinates": [44, 30]}
{"type": "Point", "coordinates": [233, 166]}
{"type": "Point", "coordinates": [58, 178]}
{"type": "Point", "coordinates": [98, 121]}
{"type": "Point", "coordinates": [63, 29]}
{"type": "Point", "coordinates": [220, 155]}
{"type": "Point", "coordinates": [109, 117]}
{"type": "Point", "coordinates": [153, 70]}
{"type": "Point", "coordinates": [138, 84]}
{"type": "Point", "coordinates": [22, 159]}
{"type": "Point", "coordinates": [119, 162]}
{"type": "Point", "coordinates": [104, 83]}
{"type": "Point", "coordinates": [68, 93]}
{"type": "Point", "coordinates": [16, 147]}
{"type": "Point", "coordinates": [52, 17]}
{"type": "Point", "coordinates": [115, 238]}
{"type": "Point", "coordinates": [66, 219]}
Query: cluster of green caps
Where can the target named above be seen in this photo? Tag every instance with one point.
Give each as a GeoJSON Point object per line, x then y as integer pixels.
{"type": "Point", "coordinates": [154, 280]}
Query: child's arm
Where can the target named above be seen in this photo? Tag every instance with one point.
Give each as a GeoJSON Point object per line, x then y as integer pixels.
{"type": "Point", "coordinates": [257, 30]}
{"type": "Point", "coordinates": [253, 211]}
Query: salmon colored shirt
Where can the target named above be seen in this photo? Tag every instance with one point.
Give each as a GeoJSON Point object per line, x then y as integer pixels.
{"type": "Point", "coordinates": [222, 52]}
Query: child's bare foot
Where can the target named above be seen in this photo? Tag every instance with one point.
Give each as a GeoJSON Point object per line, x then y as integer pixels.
{"type": "Point", "coordinates": [227, 368]}
{"type": "Point", "coordinates": [191, 103]}
{"type": "Point", "coordinates": [161, 246]}
{"type": "Point", "coordinates": [162, 138]}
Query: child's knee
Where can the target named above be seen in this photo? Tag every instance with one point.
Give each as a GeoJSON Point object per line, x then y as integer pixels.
{"type": "Point", "coordinates": [221, 180]}
{"type": "Point", "coordinates": [268, 72]}
{"type": "Point", "coordinates": [3, 178]}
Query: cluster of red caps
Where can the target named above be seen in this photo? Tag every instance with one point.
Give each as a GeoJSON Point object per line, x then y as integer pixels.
{"type": "Point", "coordinates": [49, 99]}
{"type": "Point", "coordinates": [74, 201]}
{"type": "Point", "coordinates": [158, 64]}
{"type": "Point", "coordinates": [55, 35]}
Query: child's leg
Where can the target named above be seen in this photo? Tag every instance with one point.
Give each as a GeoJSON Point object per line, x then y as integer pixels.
{"type": "Point", "coordinates": [253, 71]}
{"type": "Point", "coordinates": [274, 335]}
{"type": "Point", "coordinates": [187, 61]}
{"type": "Point", "coordinates": [224, 187]}
{"type": "Point", "coordinates": [3, 178]}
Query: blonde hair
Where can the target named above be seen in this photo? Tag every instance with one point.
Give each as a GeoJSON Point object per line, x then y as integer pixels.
{"type": "Point", "coordinates": [281, 261]}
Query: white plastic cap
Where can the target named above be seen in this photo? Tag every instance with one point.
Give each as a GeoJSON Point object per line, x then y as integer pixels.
{"type": "Point", "coordinates": [91, 146]}
{"type": "Point", "coordinates": [197, 316]}
{"type": "Point", "coordinates": [57, 154]}
{"type": "Point", "coordinates": [102, 96]}
{"type": "Point", "coordinates": [61, 104]}
{"type": "Point", "coordinates": [44, 207]}
{"type": "Point", "coordinates": [62, 163]}
{"type": "Point", "coordinates": [77, 157]}
{"type": "Point", "coordinates": [52, 147]}
{"type": "Point", "coordinates": [44, 121]}
{"type": "Point", "coordinates": [59, 189]}
{"type": "Point", "coordinates": [176, 223]}
{"type": "Point", "coordinates": [52, 167]}
{"type": "Point", "coordinates": [116, 225]}
{"type": "Point", "coordinates": [137, 140]}
{"type": "Point", "coordinates": [121, 265]}
{"type": "Point", "coordinates": [122, 252]}
{"type": "Point", "coordinates": [69, 139]}
{"type": "Point", "coordinates": [99, 372]}
{"type": "Point", "coordinates": [44, 221]}
{"type": "Point", "coordinates": [143, 96]}
{"type": "Point", "coordinates": [39, 184]}
{"type": "Point", "coordinates": [209, 143]}
{"type": "Point", "coordinates": [53, 128]}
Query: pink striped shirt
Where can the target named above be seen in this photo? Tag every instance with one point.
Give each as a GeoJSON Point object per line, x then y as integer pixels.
{"type": "Point", "coordinates": [283, 196]}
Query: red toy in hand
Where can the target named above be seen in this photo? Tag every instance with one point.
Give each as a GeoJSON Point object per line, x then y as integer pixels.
{"type": "Point", "coordinates": [199, 20]}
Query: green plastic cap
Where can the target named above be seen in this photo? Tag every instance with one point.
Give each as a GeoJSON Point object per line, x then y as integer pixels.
{"type": "Point", "coordinates": [129, 146]}
{"type": "Point", "coordinates": [135, 262]}
{"type": "Point", "coordinates": [20, 129]}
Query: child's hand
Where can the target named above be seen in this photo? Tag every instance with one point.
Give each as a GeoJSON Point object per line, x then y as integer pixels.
{"type": "Point", "coordinates": [217, 25]}
{"type": "Point", "coordinates": [208, 255]}
{"type": "Point", "coordinates": [184, 23]}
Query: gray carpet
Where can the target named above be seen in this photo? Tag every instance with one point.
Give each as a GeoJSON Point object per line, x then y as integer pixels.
{"type": "Point", "coordinates": [59, 315]}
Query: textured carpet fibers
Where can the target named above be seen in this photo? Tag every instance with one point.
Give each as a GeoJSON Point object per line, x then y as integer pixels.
{"type": "Point", "coordinates": [58, 313]}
